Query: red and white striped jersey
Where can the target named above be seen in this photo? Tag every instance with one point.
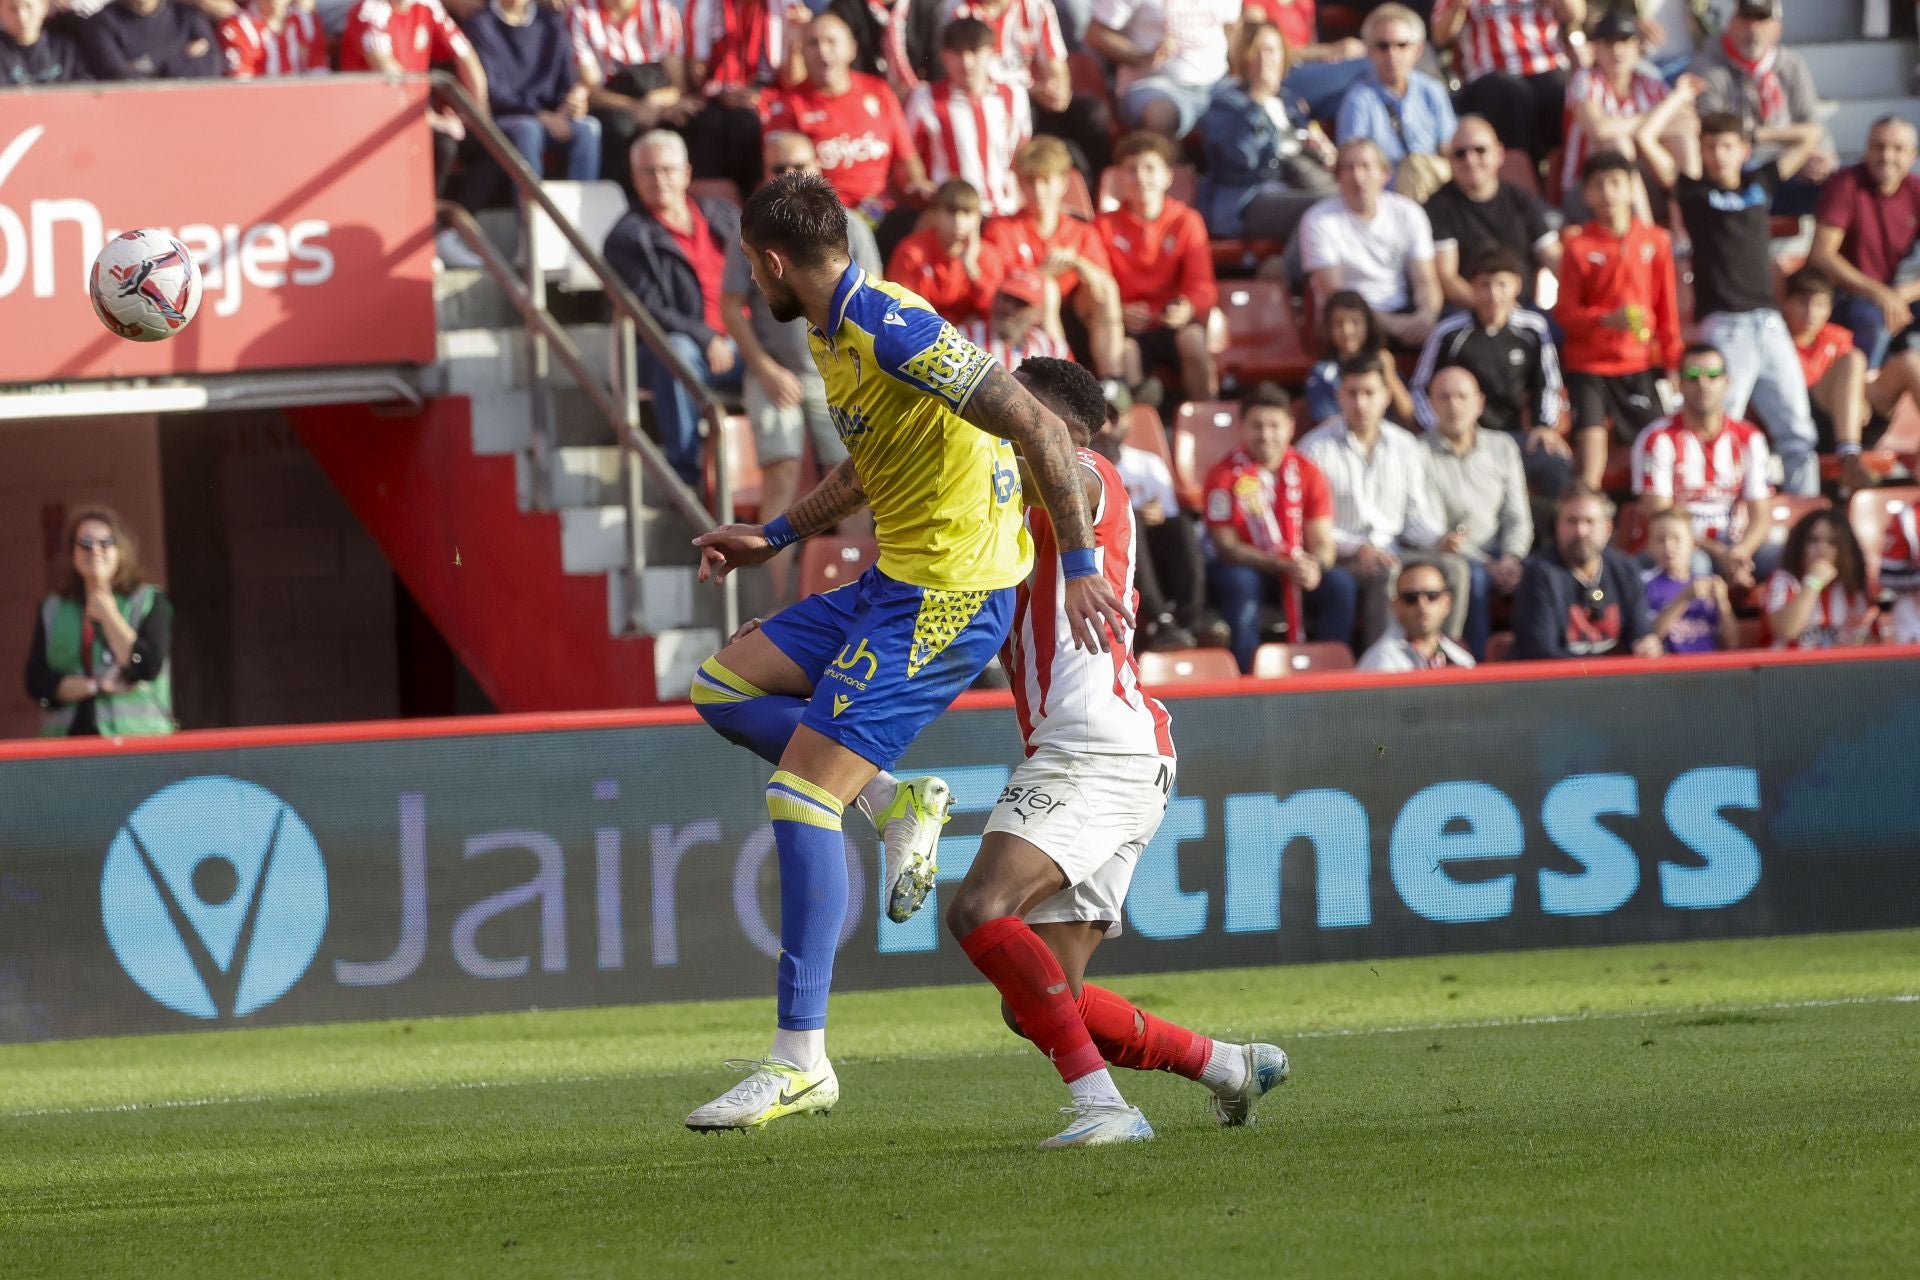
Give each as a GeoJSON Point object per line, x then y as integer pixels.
{"type": "Point", "coordinates": [1038, 342]}
{"type": "Point", "coordinates": [962, 137]}
{"type": "Point", "coordinates": [1588, 85]}
{"type": "Point", "coordinates": [415, 35]}
{"type": "Point", "coordinates": [1025, 32]}
{"type": "Point", "coordinates": [1710, 478]}
{"type": "Point", "coordinates": [1067, 697]}
{"type": "Point", "coordinates": [1519, 37]}
{"type": "Point", "coordinates": [1840, 618]}
{"type": "Point", "coordinates": [1900, 574]}
{"type": "Point", "coordinates": [742, 43]}
{"type": "Point", "coordinates": [255, 50]}
{"type": "Point", "coordinates": [605, 41]}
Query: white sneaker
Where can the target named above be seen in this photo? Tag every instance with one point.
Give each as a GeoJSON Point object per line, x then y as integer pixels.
{"type": "Point", "coordinates": [1267, 1070]}
{"type": "Point", "coordinates": [910, 828]}
{"type": "Point", "coordinates": [1100, 1127]}
{"type": "Point", "coordinates": [453, 252]}
{"type": "Point", "coordinates": [770, 1091]}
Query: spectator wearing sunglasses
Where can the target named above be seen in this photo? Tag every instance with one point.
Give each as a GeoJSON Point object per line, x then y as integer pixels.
{"type": "Point", "coordinates": [1710, 465]}
{"type": "Point", "coordinates": [98, 665]}
{"type": "Point", "coordinates": [1580, 598]}
{"type": "Point", "coordinates": [1479, 209]}
{"type": "Point", "coordinates": [1405, 112]}
{"type": "Point", "coordinates": [1513, 61]}
{"type": "Point", "coordinates": [1421, 601]}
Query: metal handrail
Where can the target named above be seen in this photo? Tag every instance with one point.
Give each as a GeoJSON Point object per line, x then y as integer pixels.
{"type": "Point", "coordinates": [632, 324]}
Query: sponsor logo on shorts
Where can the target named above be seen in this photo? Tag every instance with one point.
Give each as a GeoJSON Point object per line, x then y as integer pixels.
{"type": "Point", "coordinates": [1029, 802]}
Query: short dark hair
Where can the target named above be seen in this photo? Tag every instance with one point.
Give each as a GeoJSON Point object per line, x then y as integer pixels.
{"type": "Point", "coordinates": [1604, 162]}
{"type": "Point", "coordinates": [1361, 364]}
{"type": "Point", "coordinates": [1142, 141]}
{"type": "Point", "coordinates": [1580, 493]}
{"type": "Point", "coordinates": [963, 34]}
{"type": "Point", "coordinates": [800, 215]}
{"type": "Point", "coordinates": [1718, 122]}
{"type": "Point", "coordinates": [1809, 282]}
{"type": "Point", "coordinates": [1698, 348]}
{"type": "Point", "coordinates": [1265, 395]}
{"type": "Point", "coordinates": [1492, 259]}
{"type": "Point", "coordinates": [956, 195]}
{"type": "Point", "coordinates": [1067, 389]}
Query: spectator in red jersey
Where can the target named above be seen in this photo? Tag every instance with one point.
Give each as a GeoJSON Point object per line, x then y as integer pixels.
{"type": "Point", "coordinates": [632, 59]}
{"type": "Point", "coordinates": [1012, 331]}
{"type": "Point", "coordinates": [1170, 53]}
{"type": "Point", "coordinates": [1620, 314]}
{"type": "Point", "coordinates": [737, 50]}
{"type": "Point", "coordinates": [1376, 243]}
{"type": "Point", "coordinates": [1580, 598]}
{"type": "Point", "coordinates": [1606, 105]}
{"type": "Point", "coordinates": [1848, 411]}
{"type": "Point", "coordinates": [31, 53]}
{"type": "Point", "coordinates": [267, 38]}
{"type": "Point", "coordinates": [1271, 517]}
{"type": "Point", "coordinates": [1868, 222]}
{"type": "Point", "coordinates": [1817, 598]}
{"type": "Point", "coordinates": [1068, 255]}
{"type": "Point", "coordinates": [1163, 263]}
{"type": "Point", "coordinates": [1692, 611]}
{"type": "Point", "coordinates": [534, 89]}
{"type": "Point", "coordinates": [1710, 465]}
{"type": "Point", "coordinates": [1025, 33]}
{"type": "Point", "coordinates": [967, 125]}
{"type": "Point", "coordinates": [1267, 162]}
{"type": "Point", "coordinates": [1513, 60]}
{"type": "Point", "coordinates": [1900, 572]}
{"type": "Point", "coordinates": [1421, 601]}
{"type": "Point", "coordinates": [150, 40]}
{"type": "Point", "coordinates": [671, 250]}
{"type": "Point", "coordinates": [402, 36]}
{"type": "Point", "coordinates": [945, 261]}
{"type": "Point", "coordinates": [854, 122]}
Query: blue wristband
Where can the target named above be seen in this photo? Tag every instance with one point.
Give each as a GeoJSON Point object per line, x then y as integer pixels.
{"type": "Point", "coordinates": [779, 532]}
{"type": "Point", "coordinates": [1079, 564]}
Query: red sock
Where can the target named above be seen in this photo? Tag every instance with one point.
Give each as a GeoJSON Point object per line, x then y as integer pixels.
{"type": "Point", "coordinates": [1131, 1037]}
{"type": "Point", "coordinates": [1032, 983]}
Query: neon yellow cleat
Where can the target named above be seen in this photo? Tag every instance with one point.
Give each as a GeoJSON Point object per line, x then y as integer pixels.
{"type": "Point", "coordinates": [770, 1091]}
{"type": "Point", "coordinates": [910, 829]}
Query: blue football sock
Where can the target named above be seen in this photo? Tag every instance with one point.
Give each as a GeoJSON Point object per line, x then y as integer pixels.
{"type": "Point", "coordinates": [813, 895]}
{"type": "Point", "coordinates": [761, 722]}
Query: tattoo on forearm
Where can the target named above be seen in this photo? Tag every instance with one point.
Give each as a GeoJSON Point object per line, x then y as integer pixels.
{"type": "Point", "coordinates": [1002, 407]}
{"type": "Point", "coordinates": [837, 496]}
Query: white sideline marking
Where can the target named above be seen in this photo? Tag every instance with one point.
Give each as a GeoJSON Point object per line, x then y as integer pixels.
{"type": "Point", "coordinates": [1333, 1033]}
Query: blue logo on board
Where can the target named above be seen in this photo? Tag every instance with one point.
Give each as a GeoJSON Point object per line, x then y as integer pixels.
{"type": "Point", "coordinates": [214, 897]}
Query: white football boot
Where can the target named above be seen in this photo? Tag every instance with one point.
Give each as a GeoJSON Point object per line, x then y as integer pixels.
{"type": "Point", "coordinates": [910, 828]}
{"type": "Point", "coordinates": [1100, 1127]}
{"type": "Point", "coordinates": [770, 1091]}
{"type": "Point", "coordinates": [1267, 1070]}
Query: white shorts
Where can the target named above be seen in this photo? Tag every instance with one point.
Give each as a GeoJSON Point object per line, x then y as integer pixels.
{"type": "Point", "coordinates": [1093, 815]}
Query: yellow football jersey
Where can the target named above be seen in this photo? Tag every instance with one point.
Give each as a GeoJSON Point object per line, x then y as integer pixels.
{"type": "Point", "coordinates": [945, 495]}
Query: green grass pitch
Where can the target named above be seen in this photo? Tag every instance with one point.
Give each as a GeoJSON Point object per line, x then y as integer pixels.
{"type": "Point", "coordinates": [1698, 1109]}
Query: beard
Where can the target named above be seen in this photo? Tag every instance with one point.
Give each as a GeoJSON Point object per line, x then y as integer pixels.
{"type": "Point", "coordinates": [783, 304]}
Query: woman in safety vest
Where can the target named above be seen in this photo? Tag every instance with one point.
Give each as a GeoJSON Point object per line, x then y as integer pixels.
{"type": "Point", "coordinates": [99, 659]}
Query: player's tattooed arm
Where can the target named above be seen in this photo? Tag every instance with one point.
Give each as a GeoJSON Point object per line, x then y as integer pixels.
{"type": "Point", "coordinates": [838, 495]}
{"type": "Point", "coordinates": [738, 546]}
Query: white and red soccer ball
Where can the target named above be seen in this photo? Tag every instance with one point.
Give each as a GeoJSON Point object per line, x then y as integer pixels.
{"type": "Point", "coordinates": [145, 286]}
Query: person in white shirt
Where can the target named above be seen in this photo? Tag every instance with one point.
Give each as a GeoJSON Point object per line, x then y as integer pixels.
{"type": "Point", "coordinates": [1171, 54]}
{"type": "Point", "coordinates": [1421, 600]}
{"type": "Point", "coordinates": [1383, 500]}
{"type": "Point", "coordinates": [1376, 243]}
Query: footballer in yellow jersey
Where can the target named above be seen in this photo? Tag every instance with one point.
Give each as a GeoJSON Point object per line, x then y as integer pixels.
{"type": "Point", "coordinates": [834, 689]}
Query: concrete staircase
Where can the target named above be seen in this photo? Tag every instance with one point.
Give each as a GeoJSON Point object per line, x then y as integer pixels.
{"type": "Point", "coordinates": [1863, 79]}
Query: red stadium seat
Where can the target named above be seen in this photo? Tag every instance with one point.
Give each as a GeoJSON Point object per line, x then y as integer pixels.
{"type": "Point", "coordinates": [1263, 337]}
{"type": "Point", "coordinates": [1753, 632]}
{"type": "Point", "coordinates": [743, 468]}
{"type": "Point", "coordinates": [1187, 666]}
{"type": "Point", "coordinates": [1204, 431]}
{"type": "Point", "coordinates": [826, 563]}
{"type": "Point", "coordinates": [1788, 509]}
{"type": "Point", "coordinates": [1868, 513]}
{"type": "Point", "coordinates": [1518, 168]}
{"type": "Point", "coordinates": [1079, 201]}
{"type": "Point", "coordinates": [1145, 431]}
{"type": "Point", "coordinates": [1274, 661]}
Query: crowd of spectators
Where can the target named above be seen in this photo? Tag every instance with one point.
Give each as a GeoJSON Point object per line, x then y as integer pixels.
{"type": "Point", "coordinates": [1488, 218]}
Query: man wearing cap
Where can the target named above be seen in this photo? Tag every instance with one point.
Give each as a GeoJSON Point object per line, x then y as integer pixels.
{"type": "Point", "coordinates": [1750, 74]}
{"type": "Point", "coordinates": [1011, 331]}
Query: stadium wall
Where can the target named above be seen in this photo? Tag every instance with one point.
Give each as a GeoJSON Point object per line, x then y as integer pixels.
{"type": "Point", "coordinates": [420, 868]}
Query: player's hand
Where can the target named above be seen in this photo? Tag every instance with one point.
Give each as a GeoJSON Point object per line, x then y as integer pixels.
{"type": "Point", "coordinates": [1649, 647]}
{"type": "Point", "coordinates": [722, 355]}
{"type": "Point", "coordinates": [1136, 317]}
{"type": "Point", "coordinates": [1307, 569]}
{"type": "Point", "coordinates": [780, 384]}
{"type": "Point", "coordinates": [1688, 85]}
{"type": "Point", "coordinates": [746, 629]}
{"type": "Point", "coordinates": [1894, 307]}
{"type": "Point", "coordinates": [1094, 613]}
{"type": "Point", "coordinates": [1505, 573]}
{"type": "Point", "coordinates": [557, 124]}
{"type": "Point", "coordinates": [1819, 167]}
{"type": "Point", "coordinates": [576, 102]}
{"type": "Point", "coordinates": [1178, 313]}
{"type": "Point", "coordinates": [730, 547]}
{"type": "Point", "coordinates": [1547, 440]}
{"type": "Point", "coordinates": [1059, 261]}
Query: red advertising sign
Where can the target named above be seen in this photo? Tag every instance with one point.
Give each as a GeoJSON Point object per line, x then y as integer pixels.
{"type": "Point", "coordinates": [307, 203]}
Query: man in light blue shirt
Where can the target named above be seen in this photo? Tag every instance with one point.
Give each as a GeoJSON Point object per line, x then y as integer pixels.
{"type": "Point", "coordinates": [1406, 112]}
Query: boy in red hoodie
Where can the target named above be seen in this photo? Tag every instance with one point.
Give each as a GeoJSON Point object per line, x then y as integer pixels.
{"type": "Point", "coordinates": [1163, 265]}
{"type": "Point", "coordinates": [945, 262]}
{"type": "Point", "coordinates": [1619, 309]}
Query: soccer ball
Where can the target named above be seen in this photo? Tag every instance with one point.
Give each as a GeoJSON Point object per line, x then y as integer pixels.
{"type": "Point", "coordinates": [145, 286]}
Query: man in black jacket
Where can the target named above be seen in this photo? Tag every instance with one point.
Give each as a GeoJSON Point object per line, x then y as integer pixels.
{"type": "Point", "coordinates": [31, 55]}
{"type": "Point", "coordinates": [152, 40]}
{"type": "Point", "coordinates": [1582, 599]}
{"type": "Point", "coordinates": [671, 251]}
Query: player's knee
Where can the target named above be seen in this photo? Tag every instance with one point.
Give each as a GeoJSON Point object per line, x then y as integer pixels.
{"type": "Point", "coordinates": [971, 907]}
